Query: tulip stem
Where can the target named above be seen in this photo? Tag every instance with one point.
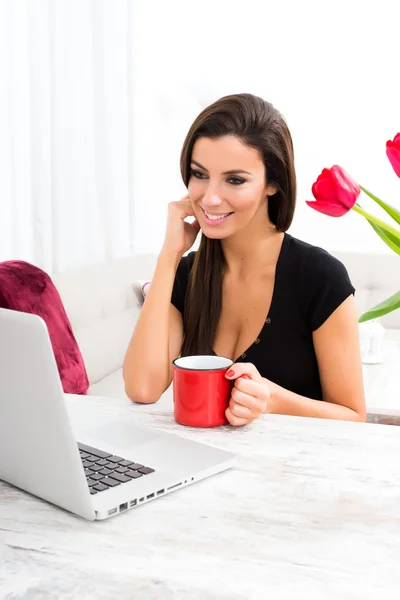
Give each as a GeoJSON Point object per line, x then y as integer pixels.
{"type": "Point", "coordinates": [377, 221]}
{"type": "Point", "coordinates": [393, 212]}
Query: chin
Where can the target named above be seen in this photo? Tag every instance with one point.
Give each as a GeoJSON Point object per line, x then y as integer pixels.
{"type": "Point", "coordinates": [212, 234]}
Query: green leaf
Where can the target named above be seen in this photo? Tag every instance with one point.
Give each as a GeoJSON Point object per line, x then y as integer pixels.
{"type": "Point", "coordinates": [389, 239]}
{"type": "Point", "coordinates": [383, 308]}
{"type": "Point", "coordinates": [393, 212]}
{"type": "Point", "coordinates": [372, 219]}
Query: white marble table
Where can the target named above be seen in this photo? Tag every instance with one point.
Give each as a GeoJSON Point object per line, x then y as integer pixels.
{"type": "Point", "coordinates": [311, 511]}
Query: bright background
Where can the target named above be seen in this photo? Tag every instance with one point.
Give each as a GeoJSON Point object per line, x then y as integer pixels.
{"type": "Point", "coordinates": [96, 98]}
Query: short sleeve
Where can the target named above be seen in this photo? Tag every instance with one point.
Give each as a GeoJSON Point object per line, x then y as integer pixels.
{"type": "Point", "coordinates": [324, 284]}
{"type": "Point", "coordinates": [181, 282]}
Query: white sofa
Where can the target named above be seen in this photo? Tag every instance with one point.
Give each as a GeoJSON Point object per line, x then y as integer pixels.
{"type": "Point", "coordinates": [375, 277]}
{"type": "Point", "coordinates": [103, 304]}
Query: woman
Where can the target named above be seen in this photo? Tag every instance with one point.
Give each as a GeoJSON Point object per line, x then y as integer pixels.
{"type": "Point", "coordinates": [281, 309]}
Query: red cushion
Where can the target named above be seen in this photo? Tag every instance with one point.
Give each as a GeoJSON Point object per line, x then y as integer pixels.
{"type": "Point", "coordinates": [27, 288]}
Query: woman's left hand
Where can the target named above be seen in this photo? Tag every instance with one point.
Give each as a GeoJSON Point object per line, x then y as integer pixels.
{"type": "Point", "coordinates": [250, 394]}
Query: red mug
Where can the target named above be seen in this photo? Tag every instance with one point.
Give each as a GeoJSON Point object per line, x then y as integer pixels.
{"type": "Point", "coordinates": [201, 390]}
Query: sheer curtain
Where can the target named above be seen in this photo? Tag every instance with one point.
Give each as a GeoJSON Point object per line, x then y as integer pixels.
{"type": "Point", "coordinates": [66, 131]}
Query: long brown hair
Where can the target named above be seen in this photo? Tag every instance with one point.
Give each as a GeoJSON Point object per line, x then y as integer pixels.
{"type": "Point", "coordinates": [260, 125]}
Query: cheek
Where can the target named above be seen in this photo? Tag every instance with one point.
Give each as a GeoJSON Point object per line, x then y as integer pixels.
{"type": "Point", "coordinates": [246, 198]}
{"type": "Point", "coordinates": [195, 189]}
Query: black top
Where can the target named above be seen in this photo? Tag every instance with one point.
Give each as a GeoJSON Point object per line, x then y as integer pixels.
{"type": "Point", "coordinates": [309, 285]}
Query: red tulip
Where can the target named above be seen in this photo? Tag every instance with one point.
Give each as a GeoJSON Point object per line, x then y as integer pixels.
{"type": "Point", "coordinates": [335, 192]}
{"type": "Point", "coordinates": [393, 153]}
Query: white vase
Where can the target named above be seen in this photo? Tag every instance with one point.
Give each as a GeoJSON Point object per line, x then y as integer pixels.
{"type": "Point", "coordinates": [371, 336]}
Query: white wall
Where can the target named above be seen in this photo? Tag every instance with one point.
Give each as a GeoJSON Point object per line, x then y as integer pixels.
{"type": "Point", "coordinates": [332, 69]}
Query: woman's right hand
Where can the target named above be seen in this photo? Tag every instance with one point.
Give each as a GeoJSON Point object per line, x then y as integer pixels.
{"type": "Point", "coordinates": [180, 235]}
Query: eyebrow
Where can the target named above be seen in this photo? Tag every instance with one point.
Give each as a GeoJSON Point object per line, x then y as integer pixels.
{"type": "Point", "coordinates": [231, 172]}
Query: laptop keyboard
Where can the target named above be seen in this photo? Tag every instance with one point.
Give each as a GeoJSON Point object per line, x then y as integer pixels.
{"type": "Point", "coordinates": [104, 470]}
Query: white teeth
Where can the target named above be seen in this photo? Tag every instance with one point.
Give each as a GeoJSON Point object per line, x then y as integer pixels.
{"type": "Point", "coordinates": [215, 217]}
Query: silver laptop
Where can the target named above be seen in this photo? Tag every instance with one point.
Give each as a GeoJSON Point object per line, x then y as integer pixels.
{"type": "Point", "coordinates": [85, 461]}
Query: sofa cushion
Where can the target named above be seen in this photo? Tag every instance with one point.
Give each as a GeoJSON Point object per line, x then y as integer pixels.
{"type": "Point", "coordinates": [111, 386]}
{"type": "Point", "coordinates": [375, 277]}
{"type": "Point", "coordinates": [103, 305]}
{"type": "Point", "coordinates": [26, 288]}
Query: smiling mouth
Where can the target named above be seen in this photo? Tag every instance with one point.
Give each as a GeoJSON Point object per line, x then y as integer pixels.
{"type": "Point", "coordinates": [215, 218]}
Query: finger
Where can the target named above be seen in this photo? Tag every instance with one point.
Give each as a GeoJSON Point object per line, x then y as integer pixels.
{"type": "Point", "coordinates": [184, 206]}
{"type": "Point", "coordinates": [240, 369]}
{"type": "Point", "coordinates": [252, 403]}
{"type": "Point", "coordinates": [182, 202]}
{"type": "Point", "coordinates": [235, 421]}
{"type": "Point", "coordinates": [242, 412]}
{"type": "Point", "coordinates": [196, 225]}
{"type": "Point", "coordinates": [258, 389]}
{"type": "Point", "coordinates": [187, 209]}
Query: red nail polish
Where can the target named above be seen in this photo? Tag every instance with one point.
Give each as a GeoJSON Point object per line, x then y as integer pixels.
{"type": "Point", "coordinates": [245, 377]}
{"type": "Point", "coordinates": [230, 373]}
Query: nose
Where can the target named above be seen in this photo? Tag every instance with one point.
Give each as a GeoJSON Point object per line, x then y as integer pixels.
{"type": "Point", "coordinates": [212, 197]}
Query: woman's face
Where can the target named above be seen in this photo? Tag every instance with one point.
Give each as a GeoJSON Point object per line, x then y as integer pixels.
{"type": "Point", "coordinates": [227, 186]}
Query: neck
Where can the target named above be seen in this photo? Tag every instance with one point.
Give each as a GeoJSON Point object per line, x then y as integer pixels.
{"type": "Point", "coordinates": [247, 251]}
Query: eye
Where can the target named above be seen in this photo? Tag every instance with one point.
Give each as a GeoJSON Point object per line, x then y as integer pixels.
{"type": "Point", "coordinates": [236, 180]}
{"type": "Point", "coordinates": [197, 174]}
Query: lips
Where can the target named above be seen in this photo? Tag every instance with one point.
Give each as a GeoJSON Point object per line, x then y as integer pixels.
{"type": "Point", "coordinates": [215, 219]}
